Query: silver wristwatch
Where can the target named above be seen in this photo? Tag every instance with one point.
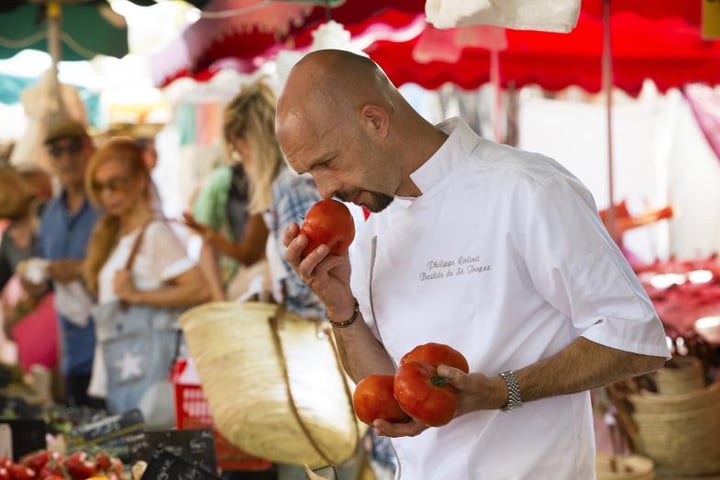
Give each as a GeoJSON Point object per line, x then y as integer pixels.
{"type": "Point", "coordinates": [514, 397]}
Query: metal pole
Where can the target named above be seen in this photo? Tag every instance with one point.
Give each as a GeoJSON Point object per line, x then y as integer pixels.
{"type": "Point", "coordinates": [607, 83]}
{"type": "Point", "coordinates": [54, 19]}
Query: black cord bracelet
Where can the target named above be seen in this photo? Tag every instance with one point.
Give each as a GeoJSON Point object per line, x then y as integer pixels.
{"type": "Point", "coordinates": [348, 322]}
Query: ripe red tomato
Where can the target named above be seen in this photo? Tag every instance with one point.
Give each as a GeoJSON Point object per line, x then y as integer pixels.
{"type": "Point", "coordinates": [19, 471]}
{"type": "Point", "coordinates": [102, 460]}
{"type": "Point", "coordinates": [373, 398]}
{"type": "Point", "coordinates": [328, 222]}
{"type": "Point", "coordinates": [48, 470]}
{"type": "Point", "coordinates": [436, 354]}
{"type": "Point", "coordinates": [39, 459]}
{"type": "Point", "coordinates": [424, 395]}
{"type": "Point", "coordinates": [4, 474]}
{"type": "Point", "coordinates": [79, 467]}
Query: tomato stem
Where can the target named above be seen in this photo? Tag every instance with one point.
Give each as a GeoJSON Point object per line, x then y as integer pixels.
{"type": "Point", "coordinates": [439, 381]}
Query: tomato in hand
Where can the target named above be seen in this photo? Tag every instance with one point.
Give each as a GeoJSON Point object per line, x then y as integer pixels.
{"type": "Point", "coordinates": [328, 222]}
{"type": "Point", "coordinates": [424, 395]}
{"type": "Point", "coordinates": [373, 398]}
{"type": "Point", "coordinates": [437, 354]}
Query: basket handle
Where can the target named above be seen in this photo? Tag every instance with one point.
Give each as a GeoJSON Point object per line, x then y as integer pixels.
{"type": "Point", "coordinates": [274, 328]}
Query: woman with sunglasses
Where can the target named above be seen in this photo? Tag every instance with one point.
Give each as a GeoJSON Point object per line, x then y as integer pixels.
{"type": "Point", "coordinates": [161, 274]}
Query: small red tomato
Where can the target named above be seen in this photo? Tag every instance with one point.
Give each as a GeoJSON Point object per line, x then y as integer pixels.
{"type": "Point", "coordinates": [424, 395]}
{"type": "Point", "coordinates": [117, 466]}
{"type": "Point", "coordinates": [37, 460]}
{"type": "Point", "coordinates": [437, 354]}
{"type": "Point", "coordinates": [102, 460]}
{"type": "Point", "coordinates": [373, 398]}
{"type": "Point", "coordinates": [54, 466]}
{"type": "Point", "coordinates": [21, 472]}
{"type": "Point", "coordinates": [5, 462]}
{"type": "Point", "coordinates": [79, 467]}
{"type": "Point", "coordinates": [4, 474]}
{"type": "Point", "coordinates": [328, 222]}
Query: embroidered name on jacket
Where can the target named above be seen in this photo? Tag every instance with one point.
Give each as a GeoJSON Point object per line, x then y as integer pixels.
{"type": "Point", "coordinates": [452, 267]}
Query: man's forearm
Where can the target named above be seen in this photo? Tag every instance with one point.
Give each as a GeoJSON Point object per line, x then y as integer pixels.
{"type": "Point", "coordinates": [360, 351]}
{"type": "Point", "coordinates": [583, 365]}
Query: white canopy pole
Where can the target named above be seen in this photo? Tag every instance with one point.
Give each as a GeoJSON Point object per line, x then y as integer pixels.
{"type": "Point", "coordinates": [607, 84]}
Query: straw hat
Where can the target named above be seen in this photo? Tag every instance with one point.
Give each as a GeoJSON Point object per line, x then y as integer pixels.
{"type": "Point", "coordinates": [134, 130]}
{"type": "Point", "coordinates": [65, 129]}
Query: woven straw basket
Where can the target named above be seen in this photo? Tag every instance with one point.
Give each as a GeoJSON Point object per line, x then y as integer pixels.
{"type": "Point", "coordinates": [274, 383]}
{"type": "Point", "coordinates": [620, 467]}
{"type": "Point", "coordinates": [681, 433]}
{"type": "Point", "coordinates": [680, 375]}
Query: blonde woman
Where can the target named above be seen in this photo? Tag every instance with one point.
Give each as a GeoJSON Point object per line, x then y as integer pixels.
{"type": "Point", "coordinates": [161, 275]}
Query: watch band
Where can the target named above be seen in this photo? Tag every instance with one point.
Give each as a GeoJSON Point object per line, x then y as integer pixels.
{"type": "Point", "coordinates": [514, 397]}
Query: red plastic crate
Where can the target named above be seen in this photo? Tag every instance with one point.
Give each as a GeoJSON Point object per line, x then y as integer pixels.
{"type": "Point", "coordinates": [192, 412]}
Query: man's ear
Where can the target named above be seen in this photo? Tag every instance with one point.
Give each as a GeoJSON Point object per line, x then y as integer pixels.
{"type": "Point", "coordinates": [375, 119]}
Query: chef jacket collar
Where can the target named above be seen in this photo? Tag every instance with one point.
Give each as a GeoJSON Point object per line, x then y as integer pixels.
{"type": "Point", "coordinates": [455, 150]}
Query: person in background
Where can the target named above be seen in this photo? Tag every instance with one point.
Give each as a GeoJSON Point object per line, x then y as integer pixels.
{"type": "Point", "coordinates": [17, 207]}
{"type": "Point", "coordinates": [497, 252]}
{"type": "Point", "coordinates": [25, 318]}
{"type": "Point", "coordinates": [146, 143]}
{"type": "Point", "coordinates": [161, 274]}
{"type": "Point", "coordinates": [64, 230]}
{"type": "Point", "coordinates": [233, 239]}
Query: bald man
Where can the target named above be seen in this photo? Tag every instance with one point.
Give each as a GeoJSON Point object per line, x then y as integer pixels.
{"type": "Point", "coordinates": [496, 252]}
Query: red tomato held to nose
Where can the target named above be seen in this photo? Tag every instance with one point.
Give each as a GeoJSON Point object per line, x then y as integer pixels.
{"type": "Point", "coordinates": [328, 222]}
{"type": "Point", "coordinates": [424, 395]}
{"type": "Point", "coordinates": [437, 354]}
{"type": "Point", "coordinates": [373, 399]}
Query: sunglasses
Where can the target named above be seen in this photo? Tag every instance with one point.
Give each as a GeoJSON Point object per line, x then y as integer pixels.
{"type": "Point", "coordinates": [75, 146]}
{"type": "Point", "coordinates": [113, 185]}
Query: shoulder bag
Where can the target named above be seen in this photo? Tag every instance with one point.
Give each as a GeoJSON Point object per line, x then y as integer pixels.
{"type": "Point", "coordinates": [139, 344]}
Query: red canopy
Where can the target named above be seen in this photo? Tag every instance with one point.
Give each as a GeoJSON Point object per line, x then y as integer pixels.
{"type": "Point", "coordinates": [670, 51]}
{"type": "Point", "coordinates": [657, 39]}
{"type": "Point", "coordinates": [214, 43]}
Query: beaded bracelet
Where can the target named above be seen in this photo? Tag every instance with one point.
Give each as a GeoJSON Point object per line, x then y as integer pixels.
{"type": "Point", "coordinates": [348, 322]}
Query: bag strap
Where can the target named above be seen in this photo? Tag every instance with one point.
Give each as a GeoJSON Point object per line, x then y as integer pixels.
{"type": "Point", "coordinates": [133, 253]}
{"type": "Point", "coordinates": [136, 245]}
{"type": "Point", "coordinates": [274, 328]}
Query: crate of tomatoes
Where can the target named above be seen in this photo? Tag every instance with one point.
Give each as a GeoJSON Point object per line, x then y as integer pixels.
{"type": "Point", "coordinates": [51, 465]}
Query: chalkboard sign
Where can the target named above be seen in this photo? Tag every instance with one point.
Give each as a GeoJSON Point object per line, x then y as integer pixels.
{"type": "Point", "coordinates": [109, 434]}
{"type": "Point", "coordinates": [196, 446]}
{"type": "Point", "coordinates": [25, 436]}
{"type": "Point", "coordinates": [164, 465]}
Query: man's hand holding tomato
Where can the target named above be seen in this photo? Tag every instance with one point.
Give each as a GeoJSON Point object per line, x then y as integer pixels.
{"type": "Point", "coordinates": [328, 275]}
{"type": "Point", "coordinates": [476, 391]}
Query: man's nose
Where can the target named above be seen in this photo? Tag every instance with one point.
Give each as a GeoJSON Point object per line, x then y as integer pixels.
{"type": "Point", "coordinates": [326, 186]}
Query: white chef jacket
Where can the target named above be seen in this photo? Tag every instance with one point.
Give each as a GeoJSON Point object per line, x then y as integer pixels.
{"type": "Point", "coordinates": [504, 258]}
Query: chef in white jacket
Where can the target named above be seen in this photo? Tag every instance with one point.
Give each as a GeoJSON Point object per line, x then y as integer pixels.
{"type": "Point", "coordinates": [496, 252]}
